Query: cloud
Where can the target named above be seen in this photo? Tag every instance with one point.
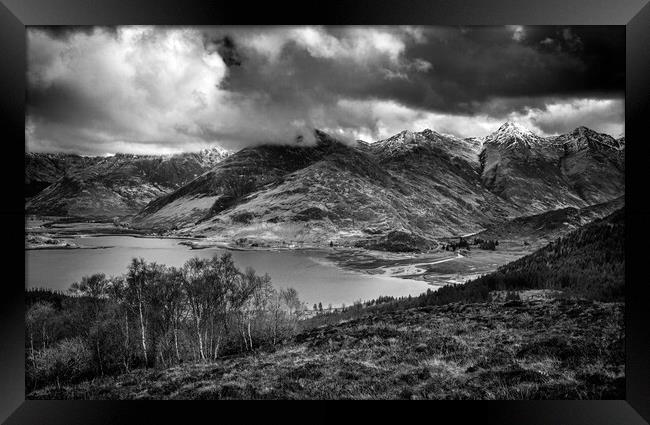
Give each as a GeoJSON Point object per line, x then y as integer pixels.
{"type": "Point", "coordinates": [372, 120]}
{"type": "Point", "coordinates": [518, 32]}
{"type": "Point", "coordinates": [170, 89]}
{"type": "Point", "coordinates": [139, 85]}
{"type": "Point", "coordinates": [603, 115]}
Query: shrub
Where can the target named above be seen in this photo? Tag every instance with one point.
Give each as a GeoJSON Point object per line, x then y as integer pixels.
{"type": "Point", "coordinates": [243, 217]}
{"type": "Point", "coordinates": [67, 361]}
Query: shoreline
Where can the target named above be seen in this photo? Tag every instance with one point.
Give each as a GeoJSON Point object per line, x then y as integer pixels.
{"type": "Point", "coordinates": [62, 247]}
{"type": "Point", "coordinates": [434, 267]}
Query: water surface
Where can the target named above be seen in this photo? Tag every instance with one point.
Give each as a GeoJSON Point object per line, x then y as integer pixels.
{"type": "Point", "coordinates": [315, 278]}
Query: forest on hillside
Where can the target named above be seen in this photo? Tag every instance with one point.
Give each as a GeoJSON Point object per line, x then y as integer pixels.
{"type": "Point", "coordinates": [587, 263]}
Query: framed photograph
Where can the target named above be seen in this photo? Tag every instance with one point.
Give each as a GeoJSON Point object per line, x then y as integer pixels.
{"type": "Point", "coordinates": [352, 201]}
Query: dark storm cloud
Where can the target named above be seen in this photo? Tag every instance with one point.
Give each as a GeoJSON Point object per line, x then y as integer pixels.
{"type": "Point", "coordinates": [64, 32]}
{"type": "Point", "coordinates": [226, 48]}
{"type": "Point", "coordinates": [469, 69]}
{"type": "Point", "coordinates": [166, 88]}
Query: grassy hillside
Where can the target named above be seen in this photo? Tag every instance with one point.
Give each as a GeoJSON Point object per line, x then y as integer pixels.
{"type": "Point", "coordinates": [421, 183]}
{"type": "Point", "coordinates": [534, 349]}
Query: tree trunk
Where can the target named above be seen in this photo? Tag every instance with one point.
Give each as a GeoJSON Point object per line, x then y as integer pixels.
{"type": "Point", "coordinates": [178, 356]}
{"type": "Point", "coordinates": [31, 339]}
{"type": "Point", "coordinates": [216, 349]}
{"type": "Point", "coordinates": [243, 334]}
{"type": "Point", "coordinates": [126, 340]}
{"type": "Point", "coordinates": [211, 345]}
{"type": "Point", "coordinates": [198, 333]}
{"type": "Point", "coordinates": [144, 342]}
{"type": "Point", "coordinates": [99, 357]}
{"type": "Point", "coordinates": [250, 340]}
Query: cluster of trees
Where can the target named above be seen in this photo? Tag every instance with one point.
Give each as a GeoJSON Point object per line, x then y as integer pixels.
{"type": "Point", "coordinates": [462, 243]}
{"type": "Point", "coordinates": [490, 244]}
{"type": "Point", "coordinates": [152, 316]}
{"type": "Point", "coordinates": [453, 246]}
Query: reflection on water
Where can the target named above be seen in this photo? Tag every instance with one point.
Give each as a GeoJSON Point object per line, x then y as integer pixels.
{"type": "Point", "coordinates": [316, 279]}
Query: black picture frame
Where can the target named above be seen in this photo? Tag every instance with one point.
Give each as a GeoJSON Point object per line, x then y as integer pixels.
{"type": "Point", "coordinates": [15, 15]}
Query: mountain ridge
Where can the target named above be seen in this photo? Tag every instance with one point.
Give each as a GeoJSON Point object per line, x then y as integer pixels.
{"type": "Point", "coordinates": [424, 183]}
{"type": "Point", "coordinates": [107, 186]}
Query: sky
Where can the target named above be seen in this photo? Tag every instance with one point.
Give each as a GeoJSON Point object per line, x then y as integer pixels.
{"type": "Point", "coordinates": [162, 90]}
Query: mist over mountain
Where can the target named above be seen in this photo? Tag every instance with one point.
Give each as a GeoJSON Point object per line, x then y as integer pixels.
{"type": "Point", "coordinates": [425, 183]}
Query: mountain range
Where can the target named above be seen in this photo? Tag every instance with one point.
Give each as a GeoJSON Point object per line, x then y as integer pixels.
{"type": "Point", "coordinates": [112, 186]}
{"type": "Point", "coordinates": [425, 183]}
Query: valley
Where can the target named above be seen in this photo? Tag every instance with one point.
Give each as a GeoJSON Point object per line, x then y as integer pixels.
{"type": "Point", "coordinates": [387, 208]}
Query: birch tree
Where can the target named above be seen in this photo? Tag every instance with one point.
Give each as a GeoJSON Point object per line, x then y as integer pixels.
{"type": "Point", "coordinates": [137, 287]}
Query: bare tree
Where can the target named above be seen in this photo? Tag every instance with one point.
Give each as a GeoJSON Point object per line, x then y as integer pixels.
{"type": "Point", "coordinates": [137, 290]}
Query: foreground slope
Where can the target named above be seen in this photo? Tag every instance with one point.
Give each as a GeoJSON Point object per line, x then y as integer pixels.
{"type": "Point", "coordinates": [535, 349]}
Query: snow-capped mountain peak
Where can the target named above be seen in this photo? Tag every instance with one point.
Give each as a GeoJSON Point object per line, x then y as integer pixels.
{"type": "Point", "coordinates": [212, 155]}
{"type": "Point", "coordinates": [586, 138]}
{"type": "Point", "coordinates": [511, 134]}
{"type": "Point", "coordinates": [514, 129]}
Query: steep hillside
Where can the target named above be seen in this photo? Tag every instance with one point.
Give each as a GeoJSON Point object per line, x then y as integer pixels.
{"type": "Point", "coordinates": [233, 182]}
{"type": "Point", "coordinates": [423, 183]}
{"type": "Point", "coordinates": [577, 169]}
{"type": "Point", "coordinates": [43, 169]}
{"type": "Point", "coordinates": [112, 186]}
{"type": "Point", "coordinates": [593, 163]}
{"type": "Point", "coordinates": [544, 227]}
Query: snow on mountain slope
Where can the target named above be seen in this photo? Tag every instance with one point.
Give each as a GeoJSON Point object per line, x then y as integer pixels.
{"type": "Point", "coordinates": [408, 142]}
{"type": "Point", "coordinates": [425, 183]}
{"type": "Point", "coordinates": [511, 136]}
